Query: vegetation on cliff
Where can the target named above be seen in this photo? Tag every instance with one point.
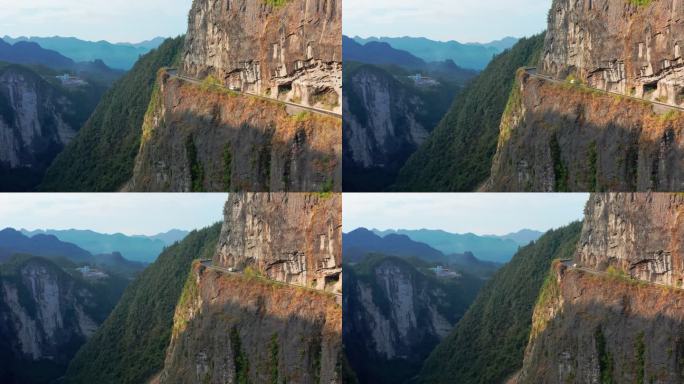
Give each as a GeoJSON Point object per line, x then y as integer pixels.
{"type": "Point", "coordinates": [131, 344]}
{"type": "Point", "coordinates": [488, 343]}
{"type": "Point", "coordinates": [102, 156]}
{"type": "Point", "coordinates": [458, 154]}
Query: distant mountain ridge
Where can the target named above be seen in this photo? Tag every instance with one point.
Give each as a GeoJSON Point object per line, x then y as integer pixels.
{"type": "Point", "coordinates": [13, 242]}
{"type": "Point", "coordinates": [469, 55]}
{"type": "Point", "coordinates": [522, 237]}
{"type": "Point", "coordinates": [357, 244]}
{"type": "Point", "coordinates": [486, 248]}
{"type": "Point", "coordinates": [375, 52]}
{"type": "Point", "coordinates": [135, 248]}
{"type": "Point", "coordinates": [119, 55]}
{"type": "Point", "coordinates": [23, 52]}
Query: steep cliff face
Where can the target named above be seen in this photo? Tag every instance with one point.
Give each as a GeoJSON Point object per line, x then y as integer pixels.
{"type": "Point", "coordinates": [206, 138]}
{"type": "Point", "coordinates": [639, 234]}
{"type": "Point", "coordinates": [619, 46]}
{"type": "Point", "coordinates": [567, 137]}
{"type": "Point", "coordinates": [45, 316]}
{"type": "Point", "coordinates": [614, 314]}
{"type": "Point", "coordinates": [36, 122]}
{"type": "Point", "coordinates": [230, 328]}
{"type": "Point", "coordinates": [288, 50]}
{"type": "Point", "coordinates": [383, 125]}
{"type": "Point", "coordinates": [632, 335]}
{"type": "Point", "coordinates": [394, 315]}
{"type": "Point", "coordinates": [290, 237]}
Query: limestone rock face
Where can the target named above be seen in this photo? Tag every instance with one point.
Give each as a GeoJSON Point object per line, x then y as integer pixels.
{"type": "Point", "coordinates": [413, 316]}
{"type": "Point", "coordinates": [291, 51]}
{"type": "Point", "coordinates": [382, 124]}
{"type": "Point", "coordinates": [33, 127]}
{"type": "Point", "coordinates": [229, 328]}
{"type": "Point", "coordinates": [213, 140]}
{"type": "Point", "coordinates": [44, 314]}
{"type": "Point", "coordinates": [289, 237]}
{"type": "Point", "coordinates": [594, 329]}
{"type": "Point", "coordinates": [638, 233]}
{"type": "Point", "coordinates": [564, 137]}
{"type": "Point", "coordinates": [619, 46]}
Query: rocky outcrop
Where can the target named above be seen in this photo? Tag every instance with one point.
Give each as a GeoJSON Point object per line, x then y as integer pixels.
{"type": "Point", "coordinates": [591, 328]}
{"type": "Point", "coordinates": [290, 237]}
{"type": "Point", "coordinates": [637, 233]}
{"type": "Point", "coordinates": [206, 138]}
{"type": "Point", "coordinates": [36, 122]}
{"type": "Point", "coordinates": [45, 315]}
{"type": "Point", "coordinates": [231, 328]}
{"type": "Point", "coordinates": [383, 125]}
{"type": "Point", "coordinates": [567, 137]}
{"type": "Point", "coordinates": [288, 50]}
{"type": "Point", "coordinates": [619, 46]}
{"type": "Point", "coordinates": [394, 316]}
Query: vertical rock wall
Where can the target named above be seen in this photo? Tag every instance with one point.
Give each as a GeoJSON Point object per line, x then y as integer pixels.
{"type": "Point", "coordinates": [291, 51]}
{"type": "Point", "coordinates": [640, 234]}
{"type": "Point", "coordinates": [290, 237]}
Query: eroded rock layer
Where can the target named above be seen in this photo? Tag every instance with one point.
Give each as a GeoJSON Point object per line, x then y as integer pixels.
{"type": "Point", "coordinates": [36, 122]}
{"type": "Point", "coordinates": [199, 138]}
{"type": "Point", "coordinates": [619, 46]}
{"type": "Point", "coordinates": [290, 237]}
{"type": "Point", "coordinates": [289, 50]}
{"type": "Point", "coordinates": [230, 328]}
{"type": "Point", "coordinates": [638, 233]}
{"type": "Point", "coordinates": [590, 328]}
{"type": "Point", "coordinates": [566, 137]}
{"type": "Point", "coordinates": [45, 316]}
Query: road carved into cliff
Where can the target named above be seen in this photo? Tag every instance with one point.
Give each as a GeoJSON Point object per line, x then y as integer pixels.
{"type": "Point", "coordinates": [569, 264]}
{"type": "Point", "coordinates": [209, 264]}
{"type": "Point", "coordinates": [532, 72]}
{"type": "Point", "coordinates": [174, 74]}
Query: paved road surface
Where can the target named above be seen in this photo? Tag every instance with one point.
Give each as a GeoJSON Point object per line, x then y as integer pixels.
{"type": "Point", "coordinates": [209, 264]}
{"type": "Point", "coordinates": [174, 73]}
{"type": "Point", "coordinates": [533, 73]}
{"type": "Point", "coordinates": [572, 265]}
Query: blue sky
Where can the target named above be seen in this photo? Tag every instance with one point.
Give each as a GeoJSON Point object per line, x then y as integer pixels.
{"type": "Point", "coordinates": [111, 20]}
{"type": "Point", "coordinates": [131, 214]}
{"type": "Point", "coordinates": [464, 21]}
{"type": "Point", "coordinates": [480, 213]}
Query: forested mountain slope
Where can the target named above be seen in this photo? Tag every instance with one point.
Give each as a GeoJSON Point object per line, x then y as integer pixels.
{"type": "Point", "coordinates": [488, 343]}
{"type": "Point", "coordinates": [131, 344]}
{"type": "Point", "coordinates": [101, 157]}
{"type": "Point", "coordinates": [458, 154]}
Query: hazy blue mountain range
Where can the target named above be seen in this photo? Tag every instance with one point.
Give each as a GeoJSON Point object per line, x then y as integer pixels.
{"type": "Point", "coordinates": [375, 52]}
{"type": "Point", "coordinates": [33, 55]}
{"type": "Point", "coordinates": [13, 242]}
{"type": "Point", "coordinates": [486, 248]}
{"type": "Point", "coordinates": [522, 237]}
{"type": "Point", "coordinates": [470, 55]}
{"type": "Point", "coordinates": [383, 54]}
{"type": "Point", "coordinates": [135, 248]}
{"type": "Point", "coordinates": [358, 243]}
{"type": "Point", "coordinates": [171, 236]}
{"type": "Point", "coordinates": [120, 56]}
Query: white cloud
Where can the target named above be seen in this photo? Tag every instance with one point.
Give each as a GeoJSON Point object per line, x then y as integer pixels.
{"type": "Point", "coordinates": [465, 21]}
{"type": "Point", "coordinates": [147, 213]}
{"type": "Point", "coordinates": [112, 20]}
{"type": "Point", "coordinates": [481, 213]}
